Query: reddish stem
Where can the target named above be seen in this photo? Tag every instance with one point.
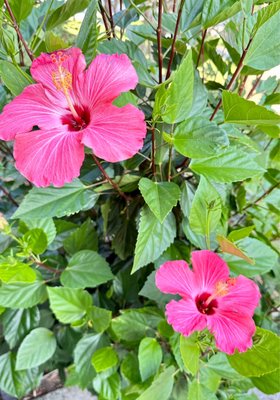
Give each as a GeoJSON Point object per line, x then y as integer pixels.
{"type": "Point", "coordinates": [174, 40]}
{"type": "Point", "coordinates": [160, 56]}
{"type": "Point", "coordinates": [256, 83]}
{"type": "Point", "coordinates": [201, 47]}
{"type": "Point", "coordinates": [111, 18]}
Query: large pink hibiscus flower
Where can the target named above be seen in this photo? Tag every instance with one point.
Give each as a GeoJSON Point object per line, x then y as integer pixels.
{"type": "Point", "coordinates": [210, 298]}
{"type": "Point", "coordinates": [72, 106]}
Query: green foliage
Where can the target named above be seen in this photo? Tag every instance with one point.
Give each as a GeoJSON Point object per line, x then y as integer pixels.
{"type": "Point", "coordinates": [78, 263]}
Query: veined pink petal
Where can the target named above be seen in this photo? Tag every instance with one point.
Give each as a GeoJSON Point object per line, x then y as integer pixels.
{"type": "Point", "coordinates": [243, 296]}
{"type": "Point", "coordinates": [175, 277]}
{"type": "Point", "coordinates": [209, 269]}
{"type": "Point", "coordinates": [107, 77]}
{"type": "Point", "coordinates": [184, 316]}
{"type": "Point", "coordinates": [32, 107]}
{"type": "Point", "coordinates": [115, 134]}
{"type": "Point", "coordinates": [49, 157]}
{"type": "Point", "coordinates": [43, 67]}
{"type": "Point", "coordinates": [232, 330]}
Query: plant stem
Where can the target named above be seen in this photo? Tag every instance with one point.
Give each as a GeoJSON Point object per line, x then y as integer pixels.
{"type": "Point", "coordinates": [233, 78]}
{"type": "Point", "coordinates": [169, 163]}
{"type": "Point", "coordinates": [174, 6]}
{"type": "Point", "coordinates": [255, 85]}
{"type": "Point", "coordinates": [160, 57]}
{"type": "Point", "coordinates": [106, 176]}
{"type": "Point", "coordinates": [207, 235]}
{"type": "Point", "coordinates": [265, 194]}
{"type": "Point", "coordinates": [111, 18]}
{"type": "Point", "coordinates": [8, 194]}
{"type": "Point", "coordinates": [201, 50]}
{"type": "Point", "coordinates": [153, 151]}
{"type": "Point", "coordinates": [16, 27]}
{"type": "Point", "coordinates": [104, 18]}
{"type": "Point", "coordinates": [174, 39]}
{"type": "Point", "coordinates": [47, 267]}
{"type": "Point", "coordinates": [242, 85]}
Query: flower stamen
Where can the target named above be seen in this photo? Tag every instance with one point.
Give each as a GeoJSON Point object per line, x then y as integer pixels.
{"type": "Point", "coordinates": [62, 79]}
{"type": "Point", "coordinates": [221, 289]}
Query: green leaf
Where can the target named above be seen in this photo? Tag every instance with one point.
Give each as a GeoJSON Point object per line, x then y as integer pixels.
{"type": "Point", "coordinates": [150, 291]}
{"type": "Point", "coordinates": [22, 294]}
{"type": "Point", "coordinates": [216, 11]}
{"type": "Point", "coordinates": [37, 347]}
{"type": "Point", "coordinates": [161, 387]}
{"type": "Point", "coordinates": [56, 202]}
{"type": "Point", "coordinates": [17, 383]}
{"type": "Point", "coordinates": [64, 12]}
{"type": "Point", "coordinates": [161, 197]}
{"type": "Point", "coordinates": [130, 368]}
{"type": "Point", "coordinates": [221, 366]}
{"type": "Point", "coordinates": [179, 96]}
{"type": "Point", "coordinates": [149, 356]}
{"type": "Point", "coordinates": [239, 234]}
{"type": "Point", "coordinates": [273, 98]}
{"type": "Point", "coordinates": [69, 305]}
{"type": "Point", "coordinates": [101, 318]}
{"type": "Point", "coordinates": [104, 359]}
{"type": "Point", "coordinates": [108, 387]}
{"type": "Point", "coordinates": [12, 270]}
{"type": "Point", "coordinates": [83, 353]}
{"type": "Point", "coordinates": [88, 33]}
{"type": "Point", "coordinates": [14, 78]}
{"type": "Point", "coordinates": [21, 8]}
{"type": "Point", "coordinates": [262, 358]}
{"type": "Point", "coordinates": [17, 324]}
{"type": "Point", "coordinates": [133, 325]}
{"type": "Point", "coordinates": [263, 255]}
{"type": "Point", "coordinates": [36, 240]}
{"type": "Point", "coordinates": [232, 165]}
{"type": "Point", "coordinates": [268, 383]}
{"type": "Point", "coordinates": [54, 42]}
{"type": "Point", "coordinates": [198, 391]}
{"type": "Point", "coordinates": [190, 353]}
{"type": "Point", "coordinates": [46, 224]}
{"type": "Point", "coordinates": [197, 137]}
{"type": "Point", "coordinates": [83, 238]}
{"type": "Point", "coordinates": [263, 53]}
{"type": "Point", "coordinates": [206, 209]}
{"type": "Point", "coordinates": [153, 238]}
{"type": "Point", "coordinates": [230, 248]}
{"type": "Point", "coordinates": [240, 111]}
{"type": "Point", "coordinates": [86, 269]}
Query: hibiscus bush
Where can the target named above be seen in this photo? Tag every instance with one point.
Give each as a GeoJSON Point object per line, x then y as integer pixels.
{"type": "Point", "coordinates": [139, 190]}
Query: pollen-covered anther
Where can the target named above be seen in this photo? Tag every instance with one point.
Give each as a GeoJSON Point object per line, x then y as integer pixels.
{"type": "Point", "coordinates": [62, 79]}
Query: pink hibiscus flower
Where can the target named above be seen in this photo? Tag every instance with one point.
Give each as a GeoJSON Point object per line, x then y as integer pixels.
{"type": "Point", "coordinates": [210, 298]}
{"type": "Point", "coordinates": [72, 106]}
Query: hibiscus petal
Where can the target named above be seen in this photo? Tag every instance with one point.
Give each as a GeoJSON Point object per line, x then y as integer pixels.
{"type": "Point", "coordinates": [107, 77]}
{"type": "Point", "coordinates": [184, 316]}
{"type": "Point", "coordinates": [175, 277]}
{"type": "Point", "coordinates": [232, 330]}
{"type": "Point", "coordinates": [243, 296]}
{"type": "Point", "coordinates": [209, 269]}
{"type": "Point", "coordinates": [115, 134]}
{"type": "Point", "coordinates": [49, 157]}
{"type": "Point", "coordinates": [32, 107]}
{"type": "Point", "coordinates": [43, 67]}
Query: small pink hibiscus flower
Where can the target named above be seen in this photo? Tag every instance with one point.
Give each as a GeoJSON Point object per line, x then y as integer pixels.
{"type": "Point", "coordinates": [210, 298]}
{"type": "Point", "coordinates": [72, 107]}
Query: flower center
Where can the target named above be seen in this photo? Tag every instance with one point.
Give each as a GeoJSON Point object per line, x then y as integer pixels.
{"type": "Point", "coordinates": [206, 303]}
{"type": "Point", "coordinates": [204, 306]}
{"type": "Point", "coordinates": [73, 123]}
{"type": "Point", "coordinates": [62, 79]}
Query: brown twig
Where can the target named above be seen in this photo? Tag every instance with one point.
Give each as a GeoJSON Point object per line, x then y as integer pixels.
{"type": "Point", "coordinates": [104, 18]}
{"type": "Point", "coordinates": [201, 50]}
{"type": "Point", "coordinates": [265, 194]}
{"type": "Point", "coordinates": [174, 6]}
{"type": "Point", "coordinates": [174, 40]}
{"type": "Point", "coordinates": [111, 19]}
{"type": "Point", "coordinates": [255, 85]}
{"type": "Point", "coordinates": [159, 48]}
{"type": "Point", "coordinates": [16, 27]}
{"type": "Point", "coordinates": [242, 85]}
{"type": "Point", "coordinates": [47, 267]}
{"type": "Point", "coordinates": [8, 194]}
{"type": "Point", "coordinates": [107, 177]}
{"type": "Point", "coordinates": [233, 78]}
